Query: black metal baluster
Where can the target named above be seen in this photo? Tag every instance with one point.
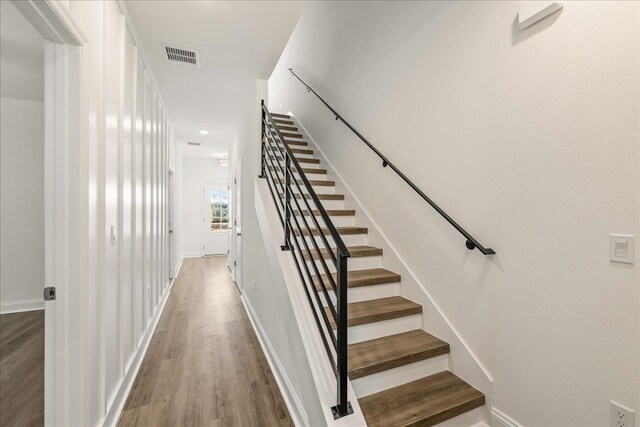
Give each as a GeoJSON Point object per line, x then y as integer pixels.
{"type": "Point", "coordinates": [287, 204]}
{"type": "Point", "coordinates": [343, 407]}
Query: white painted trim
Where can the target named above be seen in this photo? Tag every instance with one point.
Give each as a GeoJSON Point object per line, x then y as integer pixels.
{"type": "Point", "coordinates": [500, 419]}
{"type": "Point", "coordinates": [120, 398]}
{"type": "Point", "coordinates": [52, 20]}
{"type": "Point", "coordinates": [143, 55]}
{"type": "Point", "coordinates": [192, 255]}
{"type": "Point", "coordinates": [177, 269]}
{"type": "Point", "coordinates": [20, 306]}
{"type": "Point", "coordinates": [296, 409]}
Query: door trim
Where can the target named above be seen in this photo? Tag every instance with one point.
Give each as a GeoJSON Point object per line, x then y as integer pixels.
{"type": "Point", "coordinates": [66, 154]}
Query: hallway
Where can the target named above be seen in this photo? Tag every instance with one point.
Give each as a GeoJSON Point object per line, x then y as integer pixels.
{"type": "Point", "coordinates": [204, 365]}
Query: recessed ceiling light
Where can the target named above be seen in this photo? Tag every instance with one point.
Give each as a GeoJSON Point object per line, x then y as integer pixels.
{"type": "Point", "coordinates": [204, 132]}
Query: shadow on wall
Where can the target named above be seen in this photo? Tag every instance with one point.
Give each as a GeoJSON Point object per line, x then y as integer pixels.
{"type": "Point", "coordinates": [519, 35]}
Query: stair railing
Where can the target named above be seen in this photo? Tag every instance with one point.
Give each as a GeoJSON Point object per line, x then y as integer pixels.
{"type": "Point", "coordinates": [296, 200]}
{"type": "Point", "coordinates": [471, 242]}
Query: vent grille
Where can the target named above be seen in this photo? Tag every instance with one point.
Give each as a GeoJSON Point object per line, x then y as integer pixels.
{"type": "Point", "coordinates": [181, 55]}
{"type": "Point", "coordinates": [193, 143]}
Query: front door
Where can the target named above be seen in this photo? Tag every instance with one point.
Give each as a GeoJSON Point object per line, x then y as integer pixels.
{"type": "Point", "coordinates": [215, 219]}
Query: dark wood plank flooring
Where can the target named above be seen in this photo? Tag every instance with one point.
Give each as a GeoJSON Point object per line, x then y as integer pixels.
{"type": "Point", "coordinates": [204, 365]}
{"type": "Point", "coordinates": [22, 369]}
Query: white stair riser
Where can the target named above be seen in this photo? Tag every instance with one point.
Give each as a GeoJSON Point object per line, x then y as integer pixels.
{"type": "Point", "coordinates": [338, 221]}
{"type": "Point", "coordinates": [475, 418]}
{"type": "Point", "coordinates": [314, 176]}
{"type": "Point", "coordinates": [401, 375]}
{"type": "Point", "coordinates": [359, 263]}
{"type": "Point", "coordinates": [348, 239]}
{"type": "Point", "coordinates": [384, 328]}
{"type": "Point", "coordinates": [364, 293]}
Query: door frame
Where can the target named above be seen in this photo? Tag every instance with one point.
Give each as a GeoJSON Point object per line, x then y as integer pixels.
{"type": "Point", "coordinates": [67, 202]}
{"type": "Point", "coordinates": [236, 268]}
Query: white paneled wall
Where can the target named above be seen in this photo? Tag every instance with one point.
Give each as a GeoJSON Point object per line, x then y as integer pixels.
{"type": "Point", "coordinates": [129, 142]}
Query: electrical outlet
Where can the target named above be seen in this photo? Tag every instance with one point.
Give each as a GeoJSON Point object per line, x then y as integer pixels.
{"type": "Point", "coordinates": [621, 416]}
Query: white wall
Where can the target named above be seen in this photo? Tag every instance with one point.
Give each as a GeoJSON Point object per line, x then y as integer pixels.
{"type": "Point", "coordinates": [125, 141]}
{"type": "Point", "coordinates": [268, 296]}
{"type": "Point", "coordinates": [530, 139]}
{"type": "Point", "coordinates": [197, 171]}
{"type": "Point", "coordinates": [21, 204]}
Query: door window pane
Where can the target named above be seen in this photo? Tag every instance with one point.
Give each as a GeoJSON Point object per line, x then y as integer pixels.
{"type": "Point", "coordinates": [219, 209]}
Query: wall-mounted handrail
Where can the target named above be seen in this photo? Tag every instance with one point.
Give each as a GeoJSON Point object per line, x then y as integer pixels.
{"type": "Point", "coordinates": [471, 242]}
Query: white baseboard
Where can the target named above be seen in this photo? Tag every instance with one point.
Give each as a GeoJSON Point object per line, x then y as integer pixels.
{"type": "Point", "coordinates": [112, 417]}
{"type": "Point", "coordinates": [192, 255]}
{"type": "Point", "coordinates": [19, 306]}
{"type": "Point", "coordinates": [500, 419]}
{"type": "Point", "coordinates": [296, 410]}
{"type": "Point", "coordinates": [177, 269]}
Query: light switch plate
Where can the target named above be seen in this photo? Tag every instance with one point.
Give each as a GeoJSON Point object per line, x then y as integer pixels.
{"type": "Point", "coordinates": [530, 12]}
{"type": "Point", "coordinates": [622, 248]}
{"type": "Point", "coordinates": [114, 234]}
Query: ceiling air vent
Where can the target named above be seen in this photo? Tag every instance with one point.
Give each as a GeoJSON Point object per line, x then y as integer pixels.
{"type": "Point", "coordinates": [185, 56]}
{"type": "Point", "coordinates": [194, 143]}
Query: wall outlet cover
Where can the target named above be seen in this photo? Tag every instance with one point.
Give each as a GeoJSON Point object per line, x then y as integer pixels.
{"type": "Point", "coordinates": [530, 12]}
{"type": "Point", "coordinates": [621, 416]}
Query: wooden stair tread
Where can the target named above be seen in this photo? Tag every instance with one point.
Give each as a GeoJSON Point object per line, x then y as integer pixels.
{"type": "Point", "coordinates": [366, 277]}
{"type": "Point", "coordinates": [381, 354]}
{"type": "Point", "coordinates": [354, 251]}
{"type": "Point", "coordinates": [425, 402]}
{"type": "Point", "coordinates": [320, 196]}
{"type": "Point", "coordinates": [305, 170]}
{"type": "Point", "coordinates": [376, 310]}
{"type": "Point", "coordinates": [313, 182]}
{"type": "Point", "coordinates": [283, 127]}
{"type": "Point", "coordinates": [284, 116]}
{"type": "Point", "coordinates": [302, 143]}
{"type": "Point", "coordinates": [330, 212]}
{"type": "Point", "coordinates": [340, 230]}
{"type": "Point", "coordinates": [301, 151]}
{"type": "Point", "coordinates": [282, 122]}
{"type": "Point", "coordinates": [299, 159]}
{"type": "Point", "coordinates": [293, 150]}
{"type": "Point", "coordinates": [291, 135]}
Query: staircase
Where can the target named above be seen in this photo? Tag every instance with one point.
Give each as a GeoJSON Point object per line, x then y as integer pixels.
{"type": "Point", "coordinates": [399, 371]}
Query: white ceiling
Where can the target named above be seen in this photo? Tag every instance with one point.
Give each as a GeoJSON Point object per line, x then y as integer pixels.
{"type": "Point", "coordinates": [237, 41]}
{"type": "Point", "coordinates": [21, 56]}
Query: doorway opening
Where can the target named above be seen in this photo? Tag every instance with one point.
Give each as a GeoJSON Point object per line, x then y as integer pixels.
{"type": "Point", "coordinates": [22, 201]}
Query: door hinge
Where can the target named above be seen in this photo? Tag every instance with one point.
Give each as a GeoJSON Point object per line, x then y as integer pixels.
{"type": "Point", "coordinates": [234, 263]}
{"type": "Point", "coordinates": [234, 181]}
{"type": "Point", "coordinates": [49, 293]}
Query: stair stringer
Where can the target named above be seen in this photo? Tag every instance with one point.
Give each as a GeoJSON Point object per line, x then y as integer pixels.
{"type": "Point", "coordinates": [463, 361]}
{"type": "Point", "coordinates": [283, 265]}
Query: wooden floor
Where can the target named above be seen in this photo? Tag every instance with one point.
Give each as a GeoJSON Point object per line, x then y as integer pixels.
{"type": "Point", "coordinates": [204, 365]}
{"type": "Point", "coordinates": [22, 369]}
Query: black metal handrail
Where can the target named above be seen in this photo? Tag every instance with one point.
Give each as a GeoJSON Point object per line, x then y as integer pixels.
{"type": "Point", "coordinates": [278, 164]}
{"type": "Point", "coordinates": [471, 242]}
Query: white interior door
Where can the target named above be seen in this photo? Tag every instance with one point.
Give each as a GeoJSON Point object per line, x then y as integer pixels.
{"type": "Point", "coordinates": [215, 219]}
{"type": "Point", "coordinates": [237, 232]}
{"type": "Point", "coordinates": [173, 253]}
